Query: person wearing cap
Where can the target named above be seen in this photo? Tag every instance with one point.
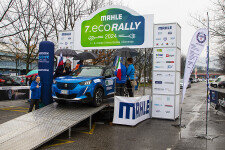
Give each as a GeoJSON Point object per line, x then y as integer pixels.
{"type": "Point", "coordinates": [63, 70]}
{"type": "Point", "coordinates": [35, 93]}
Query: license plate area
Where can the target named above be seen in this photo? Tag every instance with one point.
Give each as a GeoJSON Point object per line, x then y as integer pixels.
{"type": "Point", "coordinates": [64, 92]}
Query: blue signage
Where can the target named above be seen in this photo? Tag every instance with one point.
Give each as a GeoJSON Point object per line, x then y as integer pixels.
{"type": "Point", "coordinates": [45, 70]}
{"type": "Point", "coordinates": [139, 109]}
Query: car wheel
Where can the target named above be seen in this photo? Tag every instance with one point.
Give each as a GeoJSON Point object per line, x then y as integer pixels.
{"type": "Point", "coordinates": [10, 94]}
{"type": "Point", "coordinates": [215, 86]}
{"type": "Point", "coordinates": [98, 97]}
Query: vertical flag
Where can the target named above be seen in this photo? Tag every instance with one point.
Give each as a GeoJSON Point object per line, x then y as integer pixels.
{"type": "Point", "coordinates": [195, 48]}
{"type": "Point", "coordinates": [118, 69]}
{"type": "Point", "coordinates": [60, 60]}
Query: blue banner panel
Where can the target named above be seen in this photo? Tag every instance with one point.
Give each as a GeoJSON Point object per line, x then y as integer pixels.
{"type": "Point", "coordinates": [45, 70]}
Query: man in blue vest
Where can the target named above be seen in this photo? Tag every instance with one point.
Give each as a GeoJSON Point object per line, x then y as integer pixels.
{"type": "Point", "coordinates": [120, 83]}
{"type": "Point", "coordinates": [35, 94]}
{"type": "Point", "coordinates": [130, 77]}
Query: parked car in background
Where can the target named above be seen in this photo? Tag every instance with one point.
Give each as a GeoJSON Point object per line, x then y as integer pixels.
{"type": "Point", "coordinates": [6, 80]}
{"type": "Point", "coordinates": [217, 81]}
{"type": "Point", "coordinates": [194, 81]}
{"type": "Point", "coordinates": [19, 79]}
{"type": "Point", "coordinates": [182, 83]}
{"type": "Point", "coordinates": [199, 80]}
{"type": "Point", "coordinates": [221, 84]}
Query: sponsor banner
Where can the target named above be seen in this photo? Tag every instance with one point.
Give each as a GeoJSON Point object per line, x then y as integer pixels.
{"type": "Point", "coordinates": [66, 40]}
{"type": "Point", "coordinates": [164, 82]}
{"type": "Point", "coordinates": [165, 35]}
{"type": "Point", "coordinates": [163, 106]}
{"type": "Point", "coordinates": [196, 46]}
{"type": "Point", "coordinates": [131, 110]}
{"type": "Point", "coordinates": [164, 59]}
{"type": "Point", "coordinates": [114, 27]}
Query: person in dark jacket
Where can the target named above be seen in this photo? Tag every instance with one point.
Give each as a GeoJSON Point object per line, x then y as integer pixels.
{"type": "Point", "coordinates": [130, 76]}
{"type": "Point", "coordinates": [35, 94]}
{"type": "Point", "coordinates": [63, 70]}
{"type": "Point", "coordinates": [79, 65]}
{"type": "Point", "coordinates": [120, 83]}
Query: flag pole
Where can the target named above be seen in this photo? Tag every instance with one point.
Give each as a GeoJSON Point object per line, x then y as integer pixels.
{"type": "Point", "coordinates": [207, 95]}
{"type": "Point", "coordinates": [205, 136]}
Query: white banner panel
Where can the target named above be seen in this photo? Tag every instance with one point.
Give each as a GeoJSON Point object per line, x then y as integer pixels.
{"type": "Point", "coordinates": [66, 40]}
{"type": "Point", "coordinates": [196, 46]}
{"type": "Point", "coordinates": [165, 106]}
{"type": "Point", "coordinates": [167, 35]}
{"type": "Point", "coordinates": [131, 110]}
{"type": "Point", "coordinates": [163, 82]}
{"type": "Point", "coordinates": [164, 59]}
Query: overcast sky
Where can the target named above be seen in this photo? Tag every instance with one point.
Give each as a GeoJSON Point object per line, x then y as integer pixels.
{"type": "Point", "coordinates": [166, 11]}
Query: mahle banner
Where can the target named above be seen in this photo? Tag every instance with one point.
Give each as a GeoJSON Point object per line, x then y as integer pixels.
{"type": "Point", "coordinates": [114, 27]}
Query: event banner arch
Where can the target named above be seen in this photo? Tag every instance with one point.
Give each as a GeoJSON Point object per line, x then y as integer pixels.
{"type": "Point", "coordinates": [114, 27]}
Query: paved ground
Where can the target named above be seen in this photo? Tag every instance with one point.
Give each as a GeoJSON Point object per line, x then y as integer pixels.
{"type": "Point", "coordinates": [150, 134]}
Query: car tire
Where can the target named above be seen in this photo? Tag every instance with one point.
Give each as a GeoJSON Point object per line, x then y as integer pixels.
{"type": "Point", "coordinates": [98, 97]}
{"type": "Point", "coordinates": [10, 94]}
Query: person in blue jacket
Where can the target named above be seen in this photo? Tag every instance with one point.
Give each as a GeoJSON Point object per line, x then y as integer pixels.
{"type": "Point", "coordinates": [35, 93]}
{"type": "Point", "coordinates": [120, 83]}
{"type": "Point", "coordinates": [130, 76]}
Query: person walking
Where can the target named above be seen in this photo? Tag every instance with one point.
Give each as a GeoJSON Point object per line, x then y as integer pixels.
{"type": "Point", "coordinates": [35, 94]}
{"type": "Point", "coordinates": [130, 76]}
{"type": "Point", "coordinates": [121, 80]}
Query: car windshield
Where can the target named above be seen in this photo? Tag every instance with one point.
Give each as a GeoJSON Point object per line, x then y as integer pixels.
{"type": "Point", "coordinates": [88, 72]}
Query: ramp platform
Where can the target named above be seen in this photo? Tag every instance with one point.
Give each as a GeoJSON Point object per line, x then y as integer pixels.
{"type": "Point", "coordinates": [38, 127]}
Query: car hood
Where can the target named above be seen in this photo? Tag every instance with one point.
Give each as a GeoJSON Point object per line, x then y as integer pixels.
{"type": "Point", "coordinates": [72, 79]}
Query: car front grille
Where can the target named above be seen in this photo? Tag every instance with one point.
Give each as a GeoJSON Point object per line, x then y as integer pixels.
{"type": "Point", "coordinates": [66, 86]}
{"type": "Point", "coordinates": [71, 96]}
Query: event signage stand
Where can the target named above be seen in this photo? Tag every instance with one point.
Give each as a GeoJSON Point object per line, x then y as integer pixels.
{"type": "Point", "coordinates": [166, 71]}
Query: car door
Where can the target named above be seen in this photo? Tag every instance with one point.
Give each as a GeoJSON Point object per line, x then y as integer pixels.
{"type": "Point", "coordinates": [109, 82]}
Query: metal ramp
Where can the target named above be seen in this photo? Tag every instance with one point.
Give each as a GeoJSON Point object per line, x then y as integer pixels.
{"type": "Point", "coordinates": [38, 127]}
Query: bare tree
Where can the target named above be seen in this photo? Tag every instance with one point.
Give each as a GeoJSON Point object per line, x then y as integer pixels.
{"type": "Point", "coordinates": [28, 27]}
{"type": "Point", "coordinates": [216, 27]}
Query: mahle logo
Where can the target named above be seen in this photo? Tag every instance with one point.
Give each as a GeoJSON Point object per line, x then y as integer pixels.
{"type": "Point", "coordinates": [113, 27]}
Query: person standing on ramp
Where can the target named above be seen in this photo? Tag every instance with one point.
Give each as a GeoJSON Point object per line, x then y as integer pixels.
{"type": "Point", "coordinates": [35, 93]}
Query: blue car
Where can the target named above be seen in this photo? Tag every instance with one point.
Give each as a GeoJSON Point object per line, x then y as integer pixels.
{"type": "Point", "coordinates": [90, 84]}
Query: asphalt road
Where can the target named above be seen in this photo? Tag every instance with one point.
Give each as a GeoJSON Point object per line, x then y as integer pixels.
{"type": "Point", "coordinates": [152, 134]}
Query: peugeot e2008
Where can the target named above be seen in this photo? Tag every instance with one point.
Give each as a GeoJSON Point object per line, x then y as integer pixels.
{"type": "Point", "coordinates": [90, 84]}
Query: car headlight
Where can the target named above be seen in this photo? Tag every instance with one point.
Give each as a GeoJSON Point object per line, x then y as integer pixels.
{"type": "Point", "coordinates": [85, 82]}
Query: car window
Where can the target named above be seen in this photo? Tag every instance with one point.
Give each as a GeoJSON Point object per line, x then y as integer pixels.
{"type": "Point", "coordinates": [109, 72]}
{"type": "Point", "coordinates": [89, 72]}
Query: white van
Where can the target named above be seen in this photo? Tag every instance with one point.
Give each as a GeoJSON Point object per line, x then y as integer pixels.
{"type": "Point", "coordinates": [217, 81]}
